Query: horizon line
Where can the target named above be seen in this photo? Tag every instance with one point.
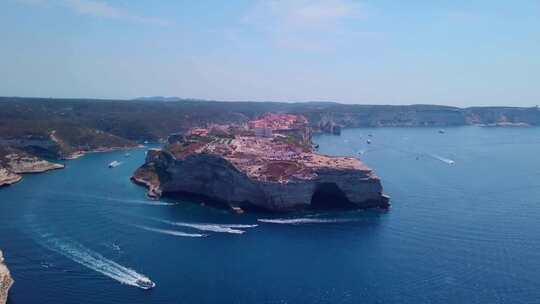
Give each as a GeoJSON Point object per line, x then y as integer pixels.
{"type": "Point", "coordinates": [179, 99]}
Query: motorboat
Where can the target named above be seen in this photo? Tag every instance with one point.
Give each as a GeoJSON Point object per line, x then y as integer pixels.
{"type": "Point", "coordinates": [145, 284]}
{"type": "Point", "coordinates": [114, 164]}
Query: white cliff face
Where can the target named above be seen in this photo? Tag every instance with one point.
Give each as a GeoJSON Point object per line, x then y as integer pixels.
{"type": "Point", "coordinates": [5, 280]}
{"type": "Point", "coordinates": [16, 162]}
{"type": "Point", "coordinates": [7, 177]}
{"type": "Point", "coordinates": [12, 165]}
{"type": "Point", "coordinates": [29, 164]}
{"type": "Point", "coordinates": [214, 177]}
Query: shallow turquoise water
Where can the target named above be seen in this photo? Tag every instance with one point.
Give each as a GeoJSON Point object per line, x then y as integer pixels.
{"type": "Point", "coordinates": [466, 232]}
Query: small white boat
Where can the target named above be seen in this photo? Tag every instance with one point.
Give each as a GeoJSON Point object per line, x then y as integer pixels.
{"type": "Point", "coordinates": [368, 141]}
{"type": "Point", "coordinates": [114, 164]}
{"type": "Point", "coordinates": [145, 284]}
{"type": "Point", "coordinates": [441, 131]}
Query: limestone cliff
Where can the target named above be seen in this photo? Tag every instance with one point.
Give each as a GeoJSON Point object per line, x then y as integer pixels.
{"type": "Point", "coordinates": [5, 280]}
{"type": "Point", "coordinates": [214, 177]}
{"type": "Point", "coordinates": [20, 163]}
{"type": "Point", "coordinates": [7, 177]}
{"type": "Point", "coordinates": [15, 162]}
{"type": "Point", "coordinates": [275, 173]}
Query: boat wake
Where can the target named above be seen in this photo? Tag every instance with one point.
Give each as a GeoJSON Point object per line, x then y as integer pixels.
{"type": "Point", "coordinates": [171, 232]}
{"type": "Point", "coordinates": [142, 202]}
{"type": "Point", "coordinates": [114, 199]}
{"type": "Point", "coordinates": [300, 221]}
{"type": "Point", "coordinates": [444, 160]}
{"type": "Point", "coordinates": [132, 201]}
{"type": "Point", "coordinates": [95, 261]}
{"type": "Point", "coordinates": [221, 228]}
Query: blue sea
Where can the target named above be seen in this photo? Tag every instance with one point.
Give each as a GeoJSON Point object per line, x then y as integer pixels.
{"type": "Point", "coordinates": [464, 227]}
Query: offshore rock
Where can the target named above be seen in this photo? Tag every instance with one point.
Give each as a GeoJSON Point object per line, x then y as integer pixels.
{"type": "Point", "coordinates": [268, 164]}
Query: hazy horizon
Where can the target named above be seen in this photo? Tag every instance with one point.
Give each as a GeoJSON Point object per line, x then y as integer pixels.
{"type": "Point", "coordinates": [177, 98]}
{"type": "Point", "coordinates": [453, 53]}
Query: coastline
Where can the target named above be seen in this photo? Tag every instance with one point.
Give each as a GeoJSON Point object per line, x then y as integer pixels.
{"type": "Point", "coordinates": [8, 178]}
{"type": "Point", "coordinates": [6, 281]}
{"type": "Point", "coordinates": [80, 153]}
{"type": "Point", "coordinates": [152, 192]}
{"type": "Point", "coordinates": [12, 174]}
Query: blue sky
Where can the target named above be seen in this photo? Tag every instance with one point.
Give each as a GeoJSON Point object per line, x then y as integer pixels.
{"type": "Point", "coordinates": [370, 52]}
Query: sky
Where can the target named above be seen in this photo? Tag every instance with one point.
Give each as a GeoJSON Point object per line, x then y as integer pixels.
{"type": "Point", "coordinates": [456, 52]}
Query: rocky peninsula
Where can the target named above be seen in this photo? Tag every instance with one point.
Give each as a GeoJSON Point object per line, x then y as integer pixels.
{"type": "Point", "coordinates": [15, 162]}
{"type": "Point", "coordinates": [5, 280]}
{"type": "Point", "coordinates": [268, 163]}
{"type": "Point", "coordinates": [27, 152]}
{"type": "Point", "coordinates": [7, 177]}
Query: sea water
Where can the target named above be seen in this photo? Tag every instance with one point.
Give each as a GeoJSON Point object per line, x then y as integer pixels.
{"type": "Point", "coordinates": [464, 227]}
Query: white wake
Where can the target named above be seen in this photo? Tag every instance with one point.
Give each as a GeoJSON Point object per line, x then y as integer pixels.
{"type": "Point", "coordinates": [299, 221]}
{"type": "Point", "coordinates": [133, 201]}
{"type": "Point", "coordinates": [221, 228]}
{"type": "Point", "coordinates": [443, 159]}
{"type": "Point", "coordinates": [95, 261]}
{"type": "Point", "coordinates": [171, 232]}
{"type": "Point", "coordinates": [142, 202]}
{"type": "Point", "coordinates": [118, 200]}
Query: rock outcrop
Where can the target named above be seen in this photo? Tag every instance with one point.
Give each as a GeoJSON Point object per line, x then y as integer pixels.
{"type": "Point", "coordinates": [7, 177]}
{"type": "Point", "coordinates": [273, 173]}
{"type": "Point", "coordinates": [5, 280]}
{"type": "Point", "coordinates": [15, 162]}
{"type": "Point", "coordinates": [23, 163]}
{"type": "Point", "coordinates": [328, 126]}
{"type": "Point", "coordinates": [214, 177]}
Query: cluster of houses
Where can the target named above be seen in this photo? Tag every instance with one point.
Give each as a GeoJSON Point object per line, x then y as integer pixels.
{"type": "Point", "coordinates": [276, 146]}
{"type": "Point", "coordinates": [288, 125]}
{"type": "Point", "coordinates": [266, 126]}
